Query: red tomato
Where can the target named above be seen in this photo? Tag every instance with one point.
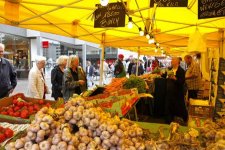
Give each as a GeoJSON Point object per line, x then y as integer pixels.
{"type": "Point", "coordinates": [20, 103]}
{"type": "Point", "coordinates": [30, 108]}
{"type": "Point", "coordinates": [48, 105]}
{"type": "Point", "coordinates": [15, 101]}
{"type": "Point", "coordinates": [2, 137]}
{"type": "Point", "coordinates": [8, 133]}
{"type": "Point", "coordinates": [24, 114]}
{"type": "Point", "coordinates": [17, 114]}
{"type": "Point", "coordinates": [16, 108]}
{"type": "Point", "coordinates": [36, 107]}
{"type": "Point", "coordinates": [41, 102]}
{"type": "Point", "coordinates": [4, 113]}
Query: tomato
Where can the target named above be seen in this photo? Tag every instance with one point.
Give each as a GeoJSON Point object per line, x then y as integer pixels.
{"type": "Point", "coordinates": [15, 101]}
{"type": "Point", "coordinates": [20, 103]}
{"type": "Point", "coordinates": [36, 107]}
{"type": "Point", "coordinates": [24, 114]}
{"type": "Point", "coordinates": [48, 105]}
{"type": "Point", "coordinates": [4, 113]}
{"type": "Point", "coordinates": [2, 137]}
{"type": "Point", "coordinates": [16, 108]}
{"type": "Point", "coordinates": [17, 114]}
{"type": "Point", "coordinates": [10, 110]}
{"type": "Point", "coordinates": [8, 133]}
{"type": "Point", "coordinates": [41, 102]}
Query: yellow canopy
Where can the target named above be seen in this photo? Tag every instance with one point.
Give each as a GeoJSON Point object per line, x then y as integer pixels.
{"type": "Point", "coordinates": [74, 18]}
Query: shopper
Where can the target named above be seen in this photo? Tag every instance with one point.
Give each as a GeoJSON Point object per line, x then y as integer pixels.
{"type": "Point", "coordinates": [119, 71]}
{"type": "Point", "coordinates": [175, 103]}
{"type": "Point", "coordinates": [8, 79]}
{"type": "Point", "coordinates": [140, 68]}
{"type": "Point", "coordinates": [130, 66]}
{"type": "Point", "coordinates": [156, 66]}
{"type": "Point", "coordinates": [192, 77]}
{"type": "Point", "coordinates": [74, 79]}
{"type": "Point", "coordinates": [57, 76]}
{"type": "Point", "coordinates": [37, 87]}
{"type": "Point", "coordinates": [90, 73]}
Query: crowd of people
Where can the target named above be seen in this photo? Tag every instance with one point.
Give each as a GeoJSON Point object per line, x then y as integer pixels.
{"type": "Point", "coordinates": [68, 78]}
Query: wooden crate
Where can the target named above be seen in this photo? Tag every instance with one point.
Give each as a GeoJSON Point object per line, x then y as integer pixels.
{"type": "Point", "coordinates": [8, 101]}
{"type": "Point", "coordinates": [196, 122]}
{"type": "Point", "coordinates": [200, 108]}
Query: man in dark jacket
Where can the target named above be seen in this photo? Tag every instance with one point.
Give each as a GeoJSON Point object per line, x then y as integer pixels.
{"type": "Point", "coordinates": [175, 104]}
{"type": "Point", "coordinates": [8, 80]}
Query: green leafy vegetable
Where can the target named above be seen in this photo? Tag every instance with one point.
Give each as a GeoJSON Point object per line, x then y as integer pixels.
{"type": "Point", "coordinates": [135, 82]}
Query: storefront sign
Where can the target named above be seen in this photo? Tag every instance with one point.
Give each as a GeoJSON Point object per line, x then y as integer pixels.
{"type": "Point", "coordinates": [211, 8]}
{"type": "Point", "coordinates": [45, 44]}
{"type": "Point", "coordinates": [169, 3]}
{"type": "Point", "coordinates": [113, 15]}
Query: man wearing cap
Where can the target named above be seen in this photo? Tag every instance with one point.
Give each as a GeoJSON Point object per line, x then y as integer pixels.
{"type": "Point", "coordinates": [119, 71]}
{"type": "Point", "coordinates": [8, 80]}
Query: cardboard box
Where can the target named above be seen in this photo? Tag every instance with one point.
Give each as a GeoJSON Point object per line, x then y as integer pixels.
{"type": "Point", "coordinates": [200, 108]}
{"type": "Point", "coordinates": [8, 101]}
{"type": "Point", "coordinates": [196, 122]}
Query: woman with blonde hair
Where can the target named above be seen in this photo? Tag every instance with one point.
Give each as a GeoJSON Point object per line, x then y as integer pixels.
{"type": "Point", "coordinates": [57, 76]}
{"type": "Point", "coordinates": [74, 80]}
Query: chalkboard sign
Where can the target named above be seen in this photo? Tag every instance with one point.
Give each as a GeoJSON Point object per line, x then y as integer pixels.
{"type": "Point", "coordinates": [211, 8]}
{"type": "Point", "coordinates": [113, 15]}
{"type": "Point", "coordinates": [169, 3]}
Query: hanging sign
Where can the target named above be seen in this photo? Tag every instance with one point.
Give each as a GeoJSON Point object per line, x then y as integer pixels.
{"type": "Point", "coordinates": [169, 3]}
{"type": "Point", "coordinates": [113, 15]}
{"type": "Point", "coordinates": [211, 8]}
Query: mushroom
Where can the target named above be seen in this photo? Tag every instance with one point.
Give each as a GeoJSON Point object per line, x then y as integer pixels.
{"type": "Point", "coordinates": [53, 147]}
{"type": "Point", "coordinates": [94, 123]}
{"type": "Point", "coordinates": [82, 146]}
{"type": "Point", "coordinates": [44, 145]}
{"type": "Point", "coordinates": [41, 134]}
{"type": "Point", "coordinates": [119, 133]}
{"type": "Point", "coordinates": [19, 144]}
{"type": "Point", "coordinates": [68, 115]}
{"type": "Point", "coordinates": [114, 139]}
{"type": "Point", "coordinates": [74, 141]}
{"type": "Point", "coordinates": [44, 126]}
{"type": "Point", "coordinates": [83, 131]}
{"type": "Point", "coordinates": [86, 121]}
{"type": "Point", "coordinates": [34, 127]}
{"type": "Point", "coordinates": [62, 145]}
{"type": "Point", "coordinates": [66, 136]}
{"type": "Point", "coordinates": [28, 145]}
{"type": "Point", "coordinates": [72, 121]}
{"type": "Point", "coordinates": [10, 146]}
{"type": "Point", "coordinates": [70, 147]}
{"type": "Point", "coordinates": [77, 115]}
{"type": "Point", "coordinates": [56, 139]}
{"type": "Point", "coordinates": [38, 140]}
{"type": "Point", "coordinates": [85, 139]}
{"type": "Point", "coordinates": [35, 147]}
{"type": "Point", "coordinates": [105, 135]}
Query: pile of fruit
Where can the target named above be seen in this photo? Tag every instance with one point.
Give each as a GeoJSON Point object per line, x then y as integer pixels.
{"type": "Point", "coordinates": [23, 109]}
{"type": "Point", "coordinates": [5, 133]}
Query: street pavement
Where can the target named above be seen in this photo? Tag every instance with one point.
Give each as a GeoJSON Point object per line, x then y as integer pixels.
{"type": "Point", "coordinates": [22, 84]}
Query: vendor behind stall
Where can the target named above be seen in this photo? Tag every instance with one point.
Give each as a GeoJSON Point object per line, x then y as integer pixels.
{"type": "Point", "coordinates": [192, 76]}
{"type": "Point", "coordinates": [156, 67]}
{"type": "Point", "coordinates": [175, 104]}
{"type": "Point", "coordinates": [119, 71]}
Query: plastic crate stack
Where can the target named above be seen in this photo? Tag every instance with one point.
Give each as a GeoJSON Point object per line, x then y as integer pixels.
{"type": "Point", "coordinates": [220, 100]}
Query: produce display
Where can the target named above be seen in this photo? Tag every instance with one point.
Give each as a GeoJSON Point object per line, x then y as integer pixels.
{"type": "Point", "coordinates": [80, 125]}
{"type": "Point", "coordinates": [135, 82]}
{"type": "Point", "coordinates": [23, 109]}
{"type": "Point", "coordinates": [115, 85]}
{"type": "Point", "coordinates": [5, 133]}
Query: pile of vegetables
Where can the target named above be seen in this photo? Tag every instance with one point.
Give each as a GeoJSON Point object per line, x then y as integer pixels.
{"type": "Point", "coordinates": [5, 133]}
{"type": "Point", "coordinates": [23, 109]}
{"type": "Point", "coordinates": [80, 126]}
{"type": "Point", "coordinates": [135, 82]}
{"type": "Point", "coordinates": [115, 85]}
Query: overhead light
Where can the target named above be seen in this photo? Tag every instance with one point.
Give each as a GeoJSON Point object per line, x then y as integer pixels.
{"type": "Point", "coordinates": [104, 2]}
{"type": "Point", "coordinates": [151, 41]}
{"type": "Point", "coordinates": [141, 32]}
{"type": "Point", "coordinates": [157, 44]}
{"type": "Point", "coordinates": [147, 36]}
{"type": "Point", "coordinates": [156, 50]}
{"type": "Point", "coordinates": [130, 23]}
{"type": "Point", "coordinates": [162, 51]}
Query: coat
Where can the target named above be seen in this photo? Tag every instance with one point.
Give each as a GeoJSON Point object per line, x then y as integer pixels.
{"type": "Point", "coordinates": [56, 80]}
{"type": "Point", "coordinates": [175, 103]}
{"type": "Point", "coordinates": [8, 79]}
{"type": "Point", "coordinates": [69, 84]}
{"type": "Point", "coordinates": [90, 72]}
{"type": "Point", "coordinates": [119, 71]}
{"type": "Point", "coordinates": [36, 83]}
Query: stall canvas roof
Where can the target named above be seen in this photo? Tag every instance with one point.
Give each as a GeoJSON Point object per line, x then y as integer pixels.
{"type": "Point", "coordinates": [74, 18]}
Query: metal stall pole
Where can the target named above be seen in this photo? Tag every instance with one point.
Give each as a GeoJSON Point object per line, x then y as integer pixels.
{"type": "Point", "coordinates": [137, 61]}
{"type": "Point", "coordinates": [102, 59]}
